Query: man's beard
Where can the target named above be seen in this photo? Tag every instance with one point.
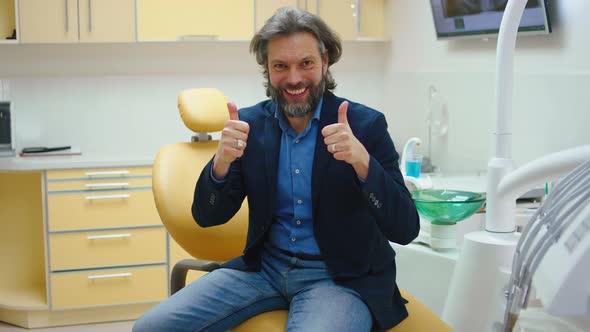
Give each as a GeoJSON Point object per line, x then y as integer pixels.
{"type": "Point", "coordinates": [298, 111]}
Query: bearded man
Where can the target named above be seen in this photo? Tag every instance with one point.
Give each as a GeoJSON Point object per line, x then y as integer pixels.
{"type": "Point", "coordinates": [325, 198]}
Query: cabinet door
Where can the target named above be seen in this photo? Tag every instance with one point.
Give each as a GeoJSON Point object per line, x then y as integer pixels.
{"type": "Point", "coordinates": [340, 15]}
{"type": "Point", "coordinates": [48, 21]}
{"type": "Point", "coordinates": [311, 6]}
{"type": "Point", "coordinates": [195, 19]}
{"type": "Point", "coordinates": [107, 21]}
{"type": "Point", "coordinates": [266, 8]}
{"type": "Point", "coordinates": [7, 19]}
{"type": "Point", "coordinates": [372, 13]}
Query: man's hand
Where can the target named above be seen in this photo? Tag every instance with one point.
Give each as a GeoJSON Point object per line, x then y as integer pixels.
{"type": "Point", "coordinates": [232, 144]}
{"type": "Point", "coordinates": [343, 145]}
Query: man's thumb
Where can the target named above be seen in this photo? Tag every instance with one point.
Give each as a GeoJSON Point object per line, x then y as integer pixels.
{"type": "Point", "coordinates": [342, 118]}
{"type": "Point", "coordinates": [233, 111]}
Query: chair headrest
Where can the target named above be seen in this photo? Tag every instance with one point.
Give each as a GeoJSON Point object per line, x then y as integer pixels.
{"type": "Point", "coordinates": [203, 110]}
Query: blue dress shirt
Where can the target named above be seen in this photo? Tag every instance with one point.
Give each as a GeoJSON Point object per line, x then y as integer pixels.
{"type": "Point", "coordinates": [293, 226]}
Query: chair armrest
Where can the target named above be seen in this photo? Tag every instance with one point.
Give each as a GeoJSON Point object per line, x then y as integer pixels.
{"type": "Point", "coordinates": [178, 277]}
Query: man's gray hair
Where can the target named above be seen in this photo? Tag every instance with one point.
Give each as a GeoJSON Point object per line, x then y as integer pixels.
{"type": "Point", "coordinates": [287, 21]}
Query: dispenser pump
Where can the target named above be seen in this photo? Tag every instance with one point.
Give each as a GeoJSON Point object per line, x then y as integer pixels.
{"type": "Point", "coordinates": [408, 152]}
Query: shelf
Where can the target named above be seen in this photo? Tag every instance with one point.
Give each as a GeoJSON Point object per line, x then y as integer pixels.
{"type": "Point", "coordinates": [23, 299]}
{"type": "Point", "coordinates": [22, 285]}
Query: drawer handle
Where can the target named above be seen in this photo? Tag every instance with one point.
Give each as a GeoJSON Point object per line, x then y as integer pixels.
{"type": "Point", "coordinates": [111, 236]}
{"type": "Point", "coordinates": [109, 276]}
{"type": "Point", "coordinates": [94, 198]}
{"type": "Point", "coordinates": [102, 185]}
{"type": "Point", "coordinates": [107, 173]}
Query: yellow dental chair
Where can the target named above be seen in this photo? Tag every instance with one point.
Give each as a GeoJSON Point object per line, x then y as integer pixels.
{"type": "Point", "coordinates": [176, 170]}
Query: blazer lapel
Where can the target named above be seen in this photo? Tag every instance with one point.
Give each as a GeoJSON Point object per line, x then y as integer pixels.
{"type": "Point", "coordinates": [322, 157]}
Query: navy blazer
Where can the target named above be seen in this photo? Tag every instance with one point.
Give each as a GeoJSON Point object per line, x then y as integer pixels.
{"type": "Point", "coordinates": [353, 224]}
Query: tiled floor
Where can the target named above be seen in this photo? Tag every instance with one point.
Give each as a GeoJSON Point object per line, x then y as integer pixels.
{"type": "Point", "coordinates": [107, 327]}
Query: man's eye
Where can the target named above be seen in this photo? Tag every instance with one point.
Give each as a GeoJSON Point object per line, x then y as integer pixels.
{"type": "Point", "coordinates": [307, 63]}
{"type": "Point", "coordinates": [279, 66]}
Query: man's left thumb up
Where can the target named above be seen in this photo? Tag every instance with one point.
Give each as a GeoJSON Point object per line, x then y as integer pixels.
{"type": "Point", "coordinates": [342, 109]}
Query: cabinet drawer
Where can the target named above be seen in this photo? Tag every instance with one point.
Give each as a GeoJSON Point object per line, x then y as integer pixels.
{"type": "Point", "coordinates": [108, 287]}
{"type": "Point", "coordinates": [107, 248]}
{"type": "Point", "coordinates": [98, 173]}
{"type": "Point", "coordinates": [92, 184]}
{"type": "Point", "coordinates": [101, 210]}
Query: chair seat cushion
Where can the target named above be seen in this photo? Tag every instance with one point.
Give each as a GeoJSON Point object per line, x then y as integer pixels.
{"type": "Point", "coordinates": [421, 319]}
{"type": "Point", "coordinates": [272, 321]}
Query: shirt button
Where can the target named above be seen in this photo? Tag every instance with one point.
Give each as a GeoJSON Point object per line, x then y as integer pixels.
{"type": "Point", "coordinates": [299, 201]}
{"type": "Point", "coordinates": [297, 141]}
{"type": "Point", "coordinates": [297, 171]}
{"type": "Point", "coordinates": [293, 239]}
{"type": "Point", "coordinates": [298, 222]}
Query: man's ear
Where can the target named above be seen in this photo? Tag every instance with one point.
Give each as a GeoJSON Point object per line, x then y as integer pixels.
{"type": "Point", "coordinates": [325, 63]}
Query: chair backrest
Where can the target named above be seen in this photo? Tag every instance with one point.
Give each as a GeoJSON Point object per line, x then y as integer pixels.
{"type": "Point", "coordinates": [176, 170]}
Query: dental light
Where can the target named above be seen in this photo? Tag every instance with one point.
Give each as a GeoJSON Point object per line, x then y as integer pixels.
{"type": "Point", "coordinates": [472, 302]}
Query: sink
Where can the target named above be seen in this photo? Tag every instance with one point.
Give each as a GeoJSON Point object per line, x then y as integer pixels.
{"type": "Point", "coordinates": [444, 207]}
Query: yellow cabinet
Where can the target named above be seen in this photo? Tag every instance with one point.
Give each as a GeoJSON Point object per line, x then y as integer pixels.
{"type": "Point", "coordinates": [351, 19]}
{"type": "Point", "coordinates": [69, 260]}
{"type": "Point", "coordinates": [107, 248]}
{"type": "Point", "coordinates": [195, 19]}
{"type": "Point", "coordinates": [110, 21]}
{"type": "Point", "coordinates": [48, 21]}
{"type": "Point", "coordinates": [372, 19]}
{"type": "Point", "coordinates": [266, 8]}
{"type": "Point", "coordinates": [8, 21]}
{"type": "Point", "coordinates": [354, 19]}
{"type": "Point", "coordinates": [101, 209]}
{"type": "Point", "coordinates": [71, 21]}
{"type": "Point", "coordinates": [108, 287]}
{"type": "Point", "coordinates": [22, 245]}
{"type": "Point", "coordinates": [99, 220]}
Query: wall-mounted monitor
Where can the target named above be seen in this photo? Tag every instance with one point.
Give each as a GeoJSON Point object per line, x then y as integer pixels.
{"type": "Point", "coordinates": [482, 18]}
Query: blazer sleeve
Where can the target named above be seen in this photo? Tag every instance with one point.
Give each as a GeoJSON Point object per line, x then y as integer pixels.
{"type": "Point", "coordinates": [388, 198]}
{"type": "Point", "coordinates": [215, 203]}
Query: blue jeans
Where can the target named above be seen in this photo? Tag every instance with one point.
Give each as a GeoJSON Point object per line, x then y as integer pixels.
{"type": "Point", "coordinates": [224, 298]}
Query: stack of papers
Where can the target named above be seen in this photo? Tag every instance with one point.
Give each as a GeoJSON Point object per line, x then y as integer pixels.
{"type": "Point", "coordinates": [42, 151]}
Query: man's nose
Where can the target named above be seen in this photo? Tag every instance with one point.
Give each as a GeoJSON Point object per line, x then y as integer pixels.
{"type": "Point", "coordinates": [294, 76]}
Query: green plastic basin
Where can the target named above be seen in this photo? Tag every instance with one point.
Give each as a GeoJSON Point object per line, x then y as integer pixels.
{"type": "Point", "coordinates": [442, 206]}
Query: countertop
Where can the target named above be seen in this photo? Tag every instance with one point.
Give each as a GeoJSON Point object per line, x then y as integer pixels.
{"type": "Point", "coordinates": [27, 164]}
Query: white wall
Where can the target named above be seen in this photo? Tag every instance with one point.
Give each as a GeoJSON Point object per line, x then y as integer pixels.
{"type": "Point", "coordinates": [551, 108]}
{"type": "Point", "coordinates": [122, 98]}
{"type": "Point", "coordinates": [107, 98]}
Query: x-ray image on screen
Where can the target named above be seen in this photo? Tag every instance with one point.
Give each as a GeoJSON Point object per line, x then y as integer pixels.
{"type": "Point", "coordinates": [453, 8]}
{"type": "Point", "coordinates": [464, 18]}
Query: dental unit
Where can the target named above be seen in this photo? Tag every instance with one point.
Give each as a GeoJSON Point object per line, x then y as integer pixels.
{"type": "Point", "coordinates": [476, 297]}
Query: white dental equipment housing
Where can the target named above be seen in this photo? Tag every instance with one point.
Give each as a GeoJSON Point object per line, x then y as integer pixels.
{"type": "Point", "coordinates": [562, 278]}
{"type": "Point", "coordinates": [473, 302]}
